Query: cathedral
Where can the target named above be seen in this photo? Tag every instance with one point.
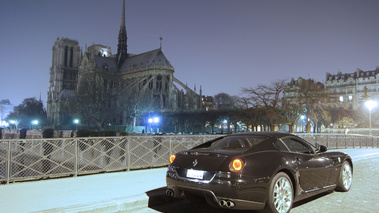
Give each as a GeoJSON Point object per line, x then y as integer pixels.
{"type": "Point", "coordinates": [123, 86]}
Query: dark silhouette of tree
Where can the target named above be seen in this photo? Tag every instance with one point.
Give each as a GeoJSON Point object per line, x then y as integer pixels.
{"type": "Point", "coordinates": [223, 101]}
{"type": "Point", "coordinates": [306, 97]}
{"type": "Point", "coordinates": [312, 94]}
{"type": "Point", "coordinates": [30, 109]}
{"type": "Point", "coordinates": [94, 101]}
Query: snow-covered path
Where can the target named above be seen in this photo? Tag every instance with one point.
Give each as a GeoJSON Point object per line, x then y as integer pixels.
{"type": "Point", "coordinates": [98, 189]}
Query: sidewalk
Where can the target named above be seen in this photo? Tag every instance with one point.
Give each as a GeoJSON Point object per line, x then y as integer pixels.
{"type": "Point", "coordinates": [110, 192]}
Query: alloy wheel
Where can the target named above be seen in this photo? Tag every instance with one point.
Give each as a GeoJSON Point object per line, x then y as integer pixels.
{"type": "Point", "coordinates": [282, 195]}
{"type": "Point", "coordinates": [347, 176]}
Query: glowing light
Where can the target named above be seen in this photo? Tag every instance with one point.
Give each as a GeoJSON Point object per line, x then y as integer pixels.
{"type": "Point", "coordinates": [172, 158]}
{"type": "Point", "coordinates": [3, 123]}
{"type": "Point", "coordinates": [236, 165]}
{"type": "Point", "coordinates": [153, 120]}
{"type": "Point", "coordinates": [370, 104]}
{"type": "Point", "coordinates": [104, 53]}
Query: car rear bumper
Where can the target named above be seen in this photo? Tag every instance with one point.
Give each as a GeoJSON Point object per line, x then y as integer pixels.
{"type": "Point", "coordinates": [218, 192]}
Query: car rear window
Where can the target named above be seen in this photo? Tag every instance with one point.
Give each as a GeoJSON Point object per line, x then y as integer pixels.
{"type": "Point", "coordinates": [237, 143]}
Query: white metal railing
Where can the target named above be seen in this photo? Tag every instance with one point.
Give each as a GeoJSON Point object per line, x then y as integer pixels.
{"type": "Point", "coordinates": [32, 159]}
{"type": "Point", "coordinates": [341, 141]}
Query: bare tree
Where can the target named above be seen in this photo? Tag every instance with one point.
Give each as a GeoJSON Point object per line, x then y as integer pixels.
{"type": "Point", "coordinates": [312, 95]}
{"type": "Point", "coordinates": [269, 98]}
{"type": "Point", "coordinates": [28, 110]}
{"type": "Point", "coordinates": [306, 97]}
{"type": "Point", "coordinates": [94, 101]}
{"type": "Point", "coordinates": [223, 101]}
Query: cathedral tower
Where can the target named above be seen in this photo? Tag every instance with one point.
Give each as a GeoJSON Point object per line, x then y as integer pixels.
{"type": "Point", "coordinates": [122, 47]}
{"type": "Point", "coordinates": [63, 77]}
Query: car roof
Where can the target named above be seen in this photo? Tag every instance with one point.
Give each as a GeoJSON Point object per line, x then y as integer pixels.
{"type": "Point", "coordinates": [269, 134]}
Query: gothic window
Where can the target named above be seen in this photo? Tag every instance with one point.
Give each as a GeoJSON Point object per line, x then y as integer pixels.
{"type": "Point", "coordinates": [151, 84]}
{"type": "Point", "coordinates": [72, 57]}
{"type": "Point", "coordinates": [65, 56]}
{"type": "Point", "coordinates": [159, 83]}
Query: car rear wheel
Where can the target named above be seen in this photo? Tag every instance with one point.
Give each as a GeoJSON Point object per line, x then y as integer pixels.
{"type": "Point", "coordinates": [280, 195]}
{"type": "Point", "coordinates": [346, 178]}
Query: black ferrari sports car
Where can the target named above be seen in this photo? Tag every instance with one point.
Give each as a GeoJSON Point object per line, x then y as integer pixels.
{"type": "Point", "coordinates": [267, 170]}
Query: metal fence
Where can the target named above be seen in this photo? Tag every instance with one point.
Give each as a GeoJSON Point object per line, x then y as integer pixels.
{"type": "Point", "coordinates": [33, 159]}
{"type": "Point", "coordinates": [342, 141]}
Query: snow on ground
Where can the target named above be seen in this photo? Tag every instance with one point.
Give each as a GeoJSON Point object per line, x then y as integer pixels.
{"type": "Point", "coordinates": [55, 193]}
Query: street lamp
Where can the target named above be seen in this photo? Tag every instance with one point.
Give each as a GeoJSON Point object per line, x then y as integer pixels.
{"type": "Point", "coordinates": [302, 123]}
{"type": "Point", "coordinates": [14, 123]}
{"type": "Point", "coordinates": [76, 121]}
{"type": "Point", "coordinates": [151, 121]}
{"type": "Point", "coordinates": [224, 125]}
{"type": "Point", "coordinates": [35, 123]}
{"type": "Point", "coordinates": [370, 104]}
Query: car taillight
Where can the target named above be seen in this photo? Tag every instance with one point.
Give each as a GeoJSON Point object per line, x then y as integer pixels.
{"type": "Point", "coordinates": [236, 165]}
{"type": "Point", "coordinates": [172, 158]}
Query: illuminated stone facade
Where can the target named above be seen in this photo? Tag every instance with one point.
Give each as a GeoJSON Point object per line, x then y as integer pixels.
{"type": "Point", "coordinates": [346, 90]}
{"type": "Point", "coordinates": [350, 90]}
{"type": "Point", "coordinates": [63, 79]}
{"type": "Point", "coordinates": [148, 76]}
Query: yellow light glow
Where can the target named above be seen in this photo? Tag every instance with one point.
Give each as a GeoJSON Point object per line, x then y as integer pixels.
{"type": "Point", "coordinates": [236, 165]}
{"type": "Point", "coordinates": [172, 158]}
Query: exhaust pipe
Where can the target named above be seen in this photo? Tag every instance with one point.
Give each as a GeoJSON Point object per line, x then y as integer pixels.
{"type": "Point", "coordinates": [170, 192]}
{"type": "Point", "coordinates": [229, 204]}
{"type": "Point", "coordinates": [226, 203]}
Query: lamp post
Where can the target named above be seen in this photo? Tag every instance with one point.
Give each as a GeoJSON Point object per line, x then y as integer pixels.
{"type": "Point", "coordinates": [225, 124]}
{"type": "Point", "coordinates": [151, 121]}
{"type": "Point", "coordinates": [76, 121]}
{"type": "Point", "coordinates": [302, 123]}
{"type": "Point", "coordinates": [35, 123]}
{"type": "Point", "coordinates": [370, 104]}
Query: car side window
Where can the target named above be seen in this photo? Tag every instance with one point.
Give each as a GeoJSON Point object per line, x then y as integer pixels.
{"type": "Point", "coordinates": [279, 145]}
{"type": "Point", "coordinates": [297, 146]}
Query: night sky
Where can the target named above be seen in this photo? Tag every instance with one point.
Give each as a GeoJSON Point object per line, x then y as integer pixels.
{"type": "Point", "coordinates": [222, 46]}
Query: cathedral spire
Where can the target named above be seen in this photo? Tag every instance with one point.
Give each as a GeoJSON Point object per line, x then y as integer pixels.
{"type": "Point", "coordinates": [122, 38]}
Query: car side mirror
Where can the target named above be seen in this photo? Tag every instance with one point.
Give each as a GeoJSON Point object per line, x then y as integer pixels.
{"type": "Point", "coordinates": [322, 148]}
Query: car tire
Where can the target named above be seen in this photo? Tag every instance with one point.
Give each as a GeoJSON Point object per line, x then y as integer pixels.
{"type": "Point", "coordinates": [280, 194]}
{"type": "Point", "coordinates": [345, 178]}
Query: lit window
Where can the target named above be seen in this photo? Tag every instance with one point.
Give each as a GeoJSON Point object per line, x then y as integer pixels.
{"type": "Point", "coordinates": [341, 98]}
{"type": "Point", "coordinates": [350, 98]}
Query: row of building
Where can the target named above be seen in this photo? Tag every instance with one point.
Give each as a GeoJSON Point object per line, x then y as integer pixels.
{"type": "Point", "coordinates": [346, 90]}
